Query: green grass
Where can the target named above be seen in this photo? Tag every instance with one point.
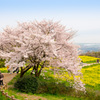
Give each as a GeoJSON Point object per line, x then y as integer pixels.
{"type": "Point", "coordinates": [58, 97]}
{"type": "Point", "coordinates": [2, 97]}
{"type": "Point", "coordinates": [13, 91]}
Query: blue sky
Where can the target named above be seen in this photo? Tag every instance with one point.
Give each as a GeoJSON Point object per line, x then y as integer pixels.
{"type": "Point", "coordinates": [80, 15]}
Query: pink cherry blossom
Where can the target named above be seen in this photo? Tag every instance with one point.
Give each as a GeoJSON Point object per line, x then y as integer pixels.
{"type": "Point", "coordinates": [36, 42]}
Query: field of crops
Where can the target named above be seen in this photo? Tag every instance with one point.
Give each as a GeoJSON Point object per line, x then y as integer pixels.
{"type": "Point", "coordinates": [3, 70]}
{"type": "Point", "coordinates": [88, 59]}
{"type": "Point", "coordinates": [91, 76]}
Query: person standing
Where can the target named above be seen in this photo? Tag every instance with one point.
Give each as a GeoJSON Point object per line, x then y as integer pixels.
{"type": "Point", "coordinates": [97, 60]}
{"type": "Point", "coordinates": [8, 68]}
{"type": "Point", "coordinates": [1, 78]}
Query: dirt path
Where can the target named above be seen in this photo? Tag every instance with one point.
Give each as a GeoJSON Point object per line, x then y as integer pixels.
{"type": "Point", "coordinates": [31, 97]}
{"type": "Point", "coordinates": [8, 77]}
{"type": "Point", "coordinates": [86, 64]}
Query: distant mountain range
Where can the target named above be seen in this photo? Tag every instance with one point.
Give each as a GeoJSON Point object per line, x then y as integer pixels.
{"type": "Point", "coordinates": [85, 47]}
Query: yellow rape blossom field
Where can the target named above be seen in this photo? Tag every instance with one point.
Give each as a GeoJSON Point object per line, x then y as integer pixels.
{"type": "Point", "coordinates": [91, 75]}
{"type": "Point", "coordinates": [88, 59]}
{"type": "Point", "coordinates": [3, 70]}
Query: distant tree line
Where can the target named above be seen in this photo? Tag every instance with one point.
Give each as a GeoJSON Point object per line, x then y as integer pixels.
{"type": "Point", "coordinates": [93, 54]}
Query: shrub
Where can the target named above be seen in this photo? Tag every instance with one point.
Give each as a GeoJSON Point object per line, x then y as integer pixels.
{"type": "Point", "coordinates": [52, 86]}
{"type": "Point", "coordinates": [27, 84]}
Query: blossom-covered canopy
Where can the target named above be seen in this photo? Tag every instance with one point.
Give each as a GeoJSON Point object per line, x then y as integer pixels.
{"type": "Point", "coordinates": [36, 42]}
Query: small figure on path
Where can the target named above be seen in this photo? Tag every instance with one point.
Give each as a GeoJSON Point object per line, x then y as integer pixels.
{"type": "Point", "coordinates": [8, 69]}
{"type": "Point", "coordinates": [1, 78]}
{"type": "Point", "coordinates": [81, 63]}
{"type": "Point", "coordinates": [97, 60]}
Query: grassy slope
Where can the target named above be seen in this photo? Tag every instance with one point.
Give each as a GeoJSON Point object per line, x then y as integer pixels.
{"type": "Point", "coordinates": [91, 77]}
{"type": "Point", "coordinates": [47, 79]}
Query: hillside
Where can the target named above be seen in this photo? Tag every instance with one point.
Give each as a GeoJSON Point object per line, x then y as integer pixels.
{"type": "Point", "coordinates": [57, 87]}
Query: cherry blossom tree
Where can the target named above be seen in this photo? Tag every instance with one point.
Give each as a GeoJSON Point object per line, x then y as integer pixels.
{"type": "Point", "coordinates": [40, 44]}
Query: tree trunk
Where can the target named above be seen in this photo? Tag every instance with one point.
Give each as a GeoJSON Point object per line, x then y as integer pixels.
{"type": "Point", "coordinates": [36, 72]}
{"type": "Point", "coordinates": [32, 70]}
{"type": "Point", "coordinates": [21, 75]}
{"type": "Point", "coordinates": [23, 71]}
